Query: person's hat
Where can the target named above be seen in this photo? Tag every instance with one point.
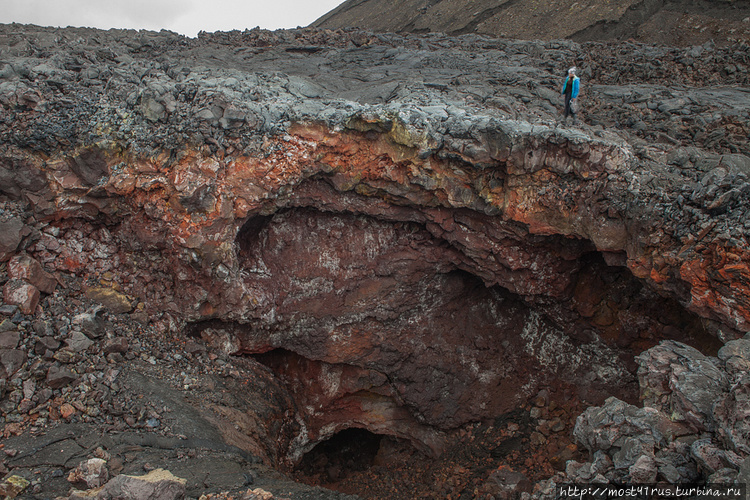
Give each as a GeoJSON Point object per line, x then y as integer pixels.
{"type": "Point", "coordinates": [572, 70]}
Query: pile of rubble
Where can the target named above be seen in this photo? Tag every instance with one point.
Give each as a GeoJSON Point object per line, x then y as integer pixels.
{"type": "Point", "coordinates": [693, 427]}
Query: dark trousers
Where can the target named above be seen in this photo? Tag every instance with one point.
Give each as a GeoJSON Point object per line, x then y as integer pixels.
{"type": "Point", "coordinates": [568, 110]}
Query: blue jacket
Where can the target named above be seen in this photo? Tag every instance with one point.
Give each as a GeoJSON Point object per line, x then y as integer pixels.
{"type": "Point", "coordinates": [576, 86]}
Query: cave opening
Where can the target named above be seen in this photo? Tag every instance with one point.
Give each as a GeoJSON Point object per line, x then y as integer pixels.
{"type": "Point", "coordinates": [419, 327]}
{"type": "Point", "coordinates": [347, 451]}
{"type": "Point", "coordinates": [249, 233]}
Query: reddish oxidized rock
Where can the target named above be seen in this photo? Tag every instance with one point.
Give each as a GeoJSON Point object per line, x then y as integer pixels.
{"type": "Point", "coordinates": [22, 294]}
{"type": "Point", "coordinates": [27, 268]}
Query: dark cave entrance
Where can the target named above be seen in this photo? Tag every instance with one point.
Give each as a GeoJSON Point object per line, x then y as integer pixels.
{"type": "Point", "coordinates": [395, 330]}
{"type": "Point", "coordinates": [395, 325]}
{"type": "Point", "coordinates": [350, 450]}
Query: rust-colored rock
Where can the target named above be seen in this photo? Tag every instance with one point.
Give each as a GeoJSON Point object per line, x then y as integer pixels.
{"type": "Point", "coordinates": [22, 294]}
{"type": "Point", "coordinates": [29, 269]}
{"type": "Point", "coordinates": [67, 411]}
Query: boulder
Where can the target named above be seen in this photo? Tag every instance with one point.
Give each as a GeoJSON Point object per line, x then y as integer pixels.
{"type": "Point", "coordinates": [675, 463]}
{"type": "Point", "coordinates": [680, 381]}
{"type": "Point", "coordinates": [727, 475]}
{"type": "Point", "coordinates": [711, 458]}
{"type": "Point", "coordinates": [58, 377]}
{"type": "Point", "coordinates": [91, 473]}
{"type": "Point", "coordinates": [736, 356]}
{"type": "Point", "coordinates": [632, 450]}
{"type": "Point", "coordinates": [12, 232]}
{"type": "Point", "coordinates": [610, 425]}
{"type": "Point", "coordinates": [158, 484]}
{"type": "Point", "coordinates": [22, 294]}
{"type": "Point", "coordinates": [27, 268]}
{"type": "Point", "coordinates": [732, 416]}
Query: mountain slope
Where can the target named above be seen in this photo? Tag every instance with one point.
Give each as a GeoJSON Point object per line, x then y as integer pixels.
{"type": "Point", "coordinates": [671, 22]}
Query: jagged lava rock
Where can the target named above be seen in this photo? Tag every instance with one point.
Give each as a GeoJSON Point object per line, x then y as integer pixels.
{"type": "Point", "coordinates": [680, 381]}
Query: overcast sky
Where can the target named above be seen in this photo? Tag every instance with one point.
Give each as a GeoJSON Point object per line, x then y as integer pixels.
{"type": "Point", "coordinates": [183, 16]}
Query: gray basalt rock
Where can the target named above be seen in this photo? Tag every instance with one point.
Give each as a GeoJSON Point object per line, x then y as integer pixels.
{"type": "Point", "coordinates": [675, 464]}
{"type": "Point", "coordinates": [11, 360]}
{"type": "Point", "coordinates": [710, 457]}
{"type": "Point", "coordinates": [644, 470]}
{"type": "Point", "coordinates": [675, 377]}
{"type": "Point", "coordinates": [9, 339]}
{"type": "Point", "coordinates": [732, 415]}
{"type": "Point", "coordinates": [78, 342]}
{"type": "Point", "coordinates": [736, 356]}
{"type": "Point", "coordinates": [680, 381]}
{"type": "Point", "coordinates": [611, 425]}
{"type": "Point", "coordinates": [92, 323]}
{"type": "Point", "coordinates": [726, 476]}
{"type": "Point", "coordinates": [633, 448]}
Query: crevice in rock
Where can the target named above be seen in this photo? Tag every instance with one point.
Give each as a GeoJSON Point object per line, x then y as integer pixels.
{"type": "Point", "coordinates": [249, 233]}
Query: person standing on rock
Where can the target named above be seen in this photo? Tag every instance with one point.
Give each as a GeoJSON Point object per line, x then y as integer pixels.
{"type": "Point", "coordinates": [570, 92]}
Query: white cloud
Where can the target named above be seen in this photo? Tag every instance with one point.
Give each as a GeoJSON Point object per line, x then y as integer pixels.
{"type": "Point", "coordinates": [183, 16]}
